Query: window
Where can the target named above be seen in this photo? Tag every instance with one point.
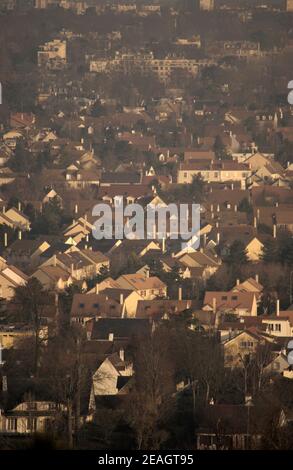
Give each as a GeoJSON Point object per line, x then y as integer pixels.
{"type": "Point", "coordinates": [246, 344]}
{"type": "Point", "coordinates": [234, 297]}
{"type": "Point", "coordinates": [224, 297]}
{"type": "Point", "coordinates": [12, 424]}
{"type": "Point", "coordinates": [81, 305]}
{"type": "Point", "coordinates": [32, 424]}
{"type": "Point", "coordinates": [278, 327]}
{"type": "Point", "coordinates": [96, 305]}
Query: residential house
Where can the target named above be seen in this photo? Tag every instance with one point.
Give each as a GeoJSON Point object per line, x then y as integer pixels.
{"type": "Point", "coordinates": [26, 252]}
{"type": "Point", "coordinates": [93, 306]}
{"type": "Point", "coordinates": [242, 347]}
{"type": "Point", "coordinates": [217, 171]}
{"type": "Point", "coordinates": [147, 287]}
{"type": "Point", "coordinates": [54, 278]}
{"type": "Point", "coordinates": [112, 377]}
{"type": "Point", "coordinates": [11, 278]}
{"type": "Point", "coordinates": [30, 417]}
{"type": "Point", "coordinates": [238, 303]}
{"type": "Point", "coordinates": [15, 219]}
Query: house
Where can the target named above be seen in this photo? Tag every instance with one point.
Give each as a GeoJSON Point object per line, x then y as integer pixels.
{"type": "Point", "coordinates": [279, 325]}
{"type": "Point", "coordinates": [139, 247]}
{"type": "Point", "coordinates": [278, 365]}
{"type": "Point", "coordinates": [15, 219]}
{"type": "Point", "coordinates": [162, 309]}
{"type": "Point", "coordinates": [224, 427]}
{"type": "Point", "coordinates": [26, 252]}
{"type": "Point", "coordinates": [81, 264]}
{"type": "Point", "coordinates": [93, 306]}
{"type": "Point", "coordinates": [201, 264]}
{"type": "Point", "coordinates": [54, 277]}
{"type": "Point", "coordinates": [120, 330]}
{"type": "Point", "coordinates": [127, 298]}
{"type": "Point", "coordinates": [30, 417]}
{"type": "Point", "coordinates": [252, 241]}
{"type": "Point", "coordinates": [112, 377]}
{"type": "Point", "coordinates": [243, 346]}
{"type": "Point", "coordinates": [147, 287]}
{"type": "Point", "coordinates": [22, 120]}
{"type": "Point", "coordinates": [216, 171]}
{"type": "Point", "coordinates": [12, 334]}
{"type": "Point", "coordinates": [249, 285]}
{"type": "Point", "coordinates": [238, 303]}
{"type": "Point", "coordinates": [10, 278]}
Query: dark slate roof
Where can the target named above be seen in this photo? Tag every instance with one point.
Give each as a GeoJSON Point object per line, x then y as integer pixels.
{"type": "Point", "coordinates": [120, 327]}
{"type": "Point", "coordinates": [120, 178]}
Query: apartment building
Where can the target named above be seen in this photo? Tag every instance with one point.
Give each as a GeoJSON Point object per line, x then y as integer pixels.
{"type": "Point", "coordinates": [146, 63]}
{"type": "Point", "coordinates": [214, 171]}
{"type": "Point", "coordinates": [52, 53]}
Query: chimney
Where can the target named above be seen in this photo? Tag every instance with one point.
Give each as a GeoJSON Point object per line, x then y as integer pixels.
{"type": "Point", "coordinates": [147, 273]}
{"type": "Point", "coordinates": [19, 234]}
{"type": "Point", "coordinates": [111, 337]}
{"type": "Point", "coordinates": [232, 186]}
{"type": "Point", "coordinates": [214, 304]}
{"type": "Point", "coordinates": [238, 282]}
{"type": "Point", "coordinates": [204, 239]}
{"type": "Point", "coordinates": [72, 269]}
{"type": "Point", "coordinates": [76, 209]}
{"type": "Point", "coordinates": [163, 245]}
{"type": "Point", "coordinates": [97, 288]}
{"type": "Point", "coordinates": [212, 208]}
{"type": "Point", "coordinates": [121, 354]}
{"type": "Point", "coordinates": [121, 299]}
{"type": "Point", "coordinates": [217, 320]}
{"type": "Point", "coordinates": [257, 214]}
{"type": "Point", "coordinates": [19, 206]}
{"type": "Point", "coordinates": [278, 308]}
{"type": "Point", "coordinates": [180, 293]}
{"type": "Point", "coordinates": [1, 349]}
{"type": "Point", "coordinates": [275, 231]}
{"type": "Point", "coordinates": [235, 208]}
{"type": "Point", "coordinates": [255, 222]}
{"type": "Point", "coordinates": [257, 278]}
{"type": "Point", "coordinates": [5, 239]}
{"type": "Point", "coordinates": [218, 238]}
{"type": "Point", "coordinates": [218, 208]}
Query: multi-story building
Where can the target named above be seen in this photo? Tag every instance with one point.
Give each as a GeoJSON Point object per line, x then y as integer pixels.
{"type": "Point", "coordinates": [146, 63]}
{"type": "Point", "coordinates": [52, 54]}
{"type": "Point", "coordinates": [215, 171]}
